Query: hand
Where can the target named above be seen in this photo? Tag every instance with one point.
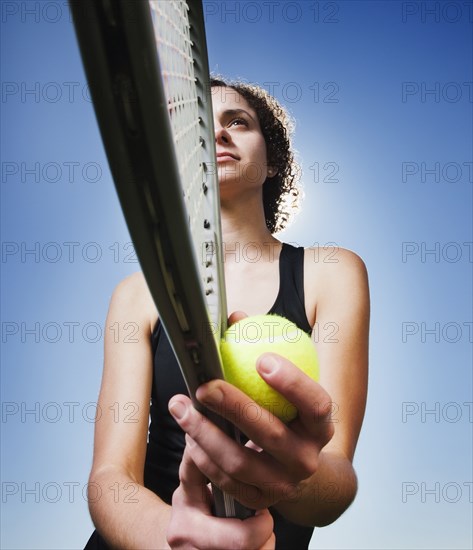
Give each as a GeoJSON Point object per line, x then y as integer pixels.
{"type": "Point", "coordinates": [279, 456]}
{"type": "Point", "coordinates": [193, 526]}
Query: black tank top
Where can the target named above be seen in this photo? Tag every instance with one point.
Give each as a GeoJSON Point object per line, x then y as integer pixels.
{"type": "Point", "coordinates": [166, 439]}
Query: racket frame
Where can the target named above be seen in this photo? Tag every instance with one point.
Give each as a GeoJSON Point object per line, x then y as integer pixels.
{"type": "Point", "coordinates": [116, 39]}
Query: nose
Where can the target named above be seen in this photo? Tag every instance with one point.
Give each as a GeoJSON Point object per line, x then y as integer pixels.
{"type": "Point", "coordinates": [221, 135]}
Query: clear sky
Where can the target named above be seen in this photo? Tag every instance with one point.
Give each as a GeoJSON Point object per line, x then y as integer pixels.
{"type": "Point", "coordinates": [382, 95]}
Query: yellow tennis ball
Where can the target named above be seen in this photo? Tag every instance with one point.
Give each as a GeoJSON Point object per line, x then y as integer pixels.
{"type": "Point", "coordinates": [249, 338]}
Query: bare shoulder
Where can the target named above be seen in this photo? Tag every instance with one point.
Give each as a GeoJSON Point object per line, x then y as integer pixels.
{"type": "Point", "coordinates": [334, 272]}
{"type": "Point", "coordinates": [334, 261]}
{"type": "Point", "coordinates": [131, 296]}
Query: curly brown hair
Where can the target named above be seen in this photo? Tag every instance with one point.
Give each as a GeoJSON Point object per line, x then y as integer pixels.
{"type": "Point", "coordinates": [281, 192]}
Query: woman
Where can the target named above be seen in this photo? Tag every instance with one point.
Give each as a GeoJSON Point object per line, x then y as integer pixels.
{"type": "Point", "coordinates": [298, 476]}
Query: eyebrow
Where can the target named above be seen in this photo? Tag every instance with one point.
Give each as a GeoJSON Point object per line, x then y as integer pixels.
{"type": "Point", "coordinates": [236, 112]}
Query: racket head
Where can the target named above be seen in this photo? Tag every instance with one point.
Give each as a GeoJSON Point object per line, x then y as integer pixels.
{"type": "Point", "coordinates": [135, 110]}
{"type": "Point", "coordinates": [178, 246]}
{"type": "Point", "coordinates": [183, 58]}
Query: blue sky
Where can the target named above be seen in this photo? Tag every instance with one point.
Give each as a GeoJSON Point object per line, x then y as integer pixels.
{"type": "Point", "coordinates": [382, 95]}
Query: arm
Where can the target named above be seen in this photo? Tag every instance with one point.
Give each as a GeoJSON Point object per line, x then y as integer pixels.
{"type": "Point", "coordinates": [305, 468]}
{"type": "Point", "coordinates": [342, 306]}
{"type": "Point", "coordinates": [126, 514]}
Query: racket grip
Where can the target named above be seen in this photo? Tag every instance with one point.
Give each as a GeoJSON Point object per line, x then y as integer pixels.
{"type": "Point", "coordinates": [225, 506]}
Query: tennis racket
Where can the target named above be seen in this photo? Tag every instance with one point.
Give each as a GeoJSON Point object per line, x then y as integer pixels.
{"type": "Point", "coordinates": [147, 68]}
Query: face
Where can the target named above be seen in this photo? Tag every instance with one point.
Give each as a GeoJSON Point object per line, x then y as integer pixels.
{"type": "Point", "coordinates": [241, 149]}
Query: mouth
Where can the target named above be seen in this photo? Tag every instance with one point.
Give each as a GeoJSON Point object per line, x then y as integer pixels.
{"type": "Point", "coordinates": [225, 156]}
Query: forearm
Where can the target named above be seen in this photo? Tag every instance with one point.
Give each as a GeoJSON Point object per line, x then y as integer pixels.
{"type": "Point", "coordinates": [125, 513]}
{"type": "Point", "coordinates": [322, 498]}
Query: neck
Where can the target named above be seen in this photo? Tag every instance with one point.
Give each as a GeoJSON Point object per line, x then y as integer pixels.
{"type": "Point", "coordinates": [244, 227]}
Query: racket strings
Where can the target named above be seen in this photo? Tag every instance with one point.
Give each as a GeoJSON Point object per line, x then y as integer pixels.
{"type": "Point", "coordinates": [175, 50]}
{"type": "Point", "coordinates": [186, 98]}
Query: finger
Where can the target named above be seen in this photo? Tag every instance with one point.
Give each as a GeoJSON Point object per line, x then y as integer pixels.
{"type": "Point", "coordinates": [251, 533]}
{"type": "Point", "coordinates": [270, 544]}
{"type": "Point", "coordinates": [236, 316]}
{"type": "Point", "coordinates": [313, 403]}
{"type": "Point", "coordinates": [189, 529]}
{"type": "Point", "coordinates": [248, 494]}
{"type": "Point", "coordinates": [258, 424]}
{"type": "Point", "coordinates": [220, 458]}
{"type": "Point", "coordinates": [194, 490]}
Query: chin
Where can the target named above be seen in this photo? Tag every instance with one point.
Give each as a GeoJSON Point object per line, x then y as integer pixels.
{"type": "Point", "coordinates": [226, 178]}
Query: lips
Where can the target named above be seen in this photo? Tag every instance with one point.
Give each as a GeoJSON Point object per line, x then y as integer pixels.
{"type": "Point", "coordinates": [225, 156]}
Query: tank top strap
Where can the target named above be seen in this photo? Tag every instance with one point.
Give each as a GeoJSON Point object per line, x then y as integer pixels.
{"type": "Point", "coordinates": [155, 335]}
{"type": "Point", "coordinates": [290, 301]}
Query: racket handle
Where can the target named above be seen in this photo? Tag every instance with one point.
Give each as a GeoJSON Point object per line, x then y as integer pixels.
{"type": "Point", "coordinates": [225, 505]}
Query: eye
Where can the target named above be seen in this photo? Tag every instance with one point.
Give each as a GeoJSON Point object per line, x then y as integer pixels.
{"type": "Point", "coordinates": [238, 122]}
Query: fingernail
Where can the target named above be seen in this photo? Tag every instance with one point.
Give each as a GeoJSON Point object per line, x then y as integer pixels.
{"type": "Point", "coordinates": [209, 395]}
{"type": "Point", "coordinates": [178, 410]}
{"type": "Point", "coordinates": [267, 364]}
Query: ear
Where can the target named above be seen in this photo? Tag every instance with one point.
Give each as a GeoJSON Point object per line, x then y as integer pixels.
{"type": "Point", "coordinates": [272, 171]}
